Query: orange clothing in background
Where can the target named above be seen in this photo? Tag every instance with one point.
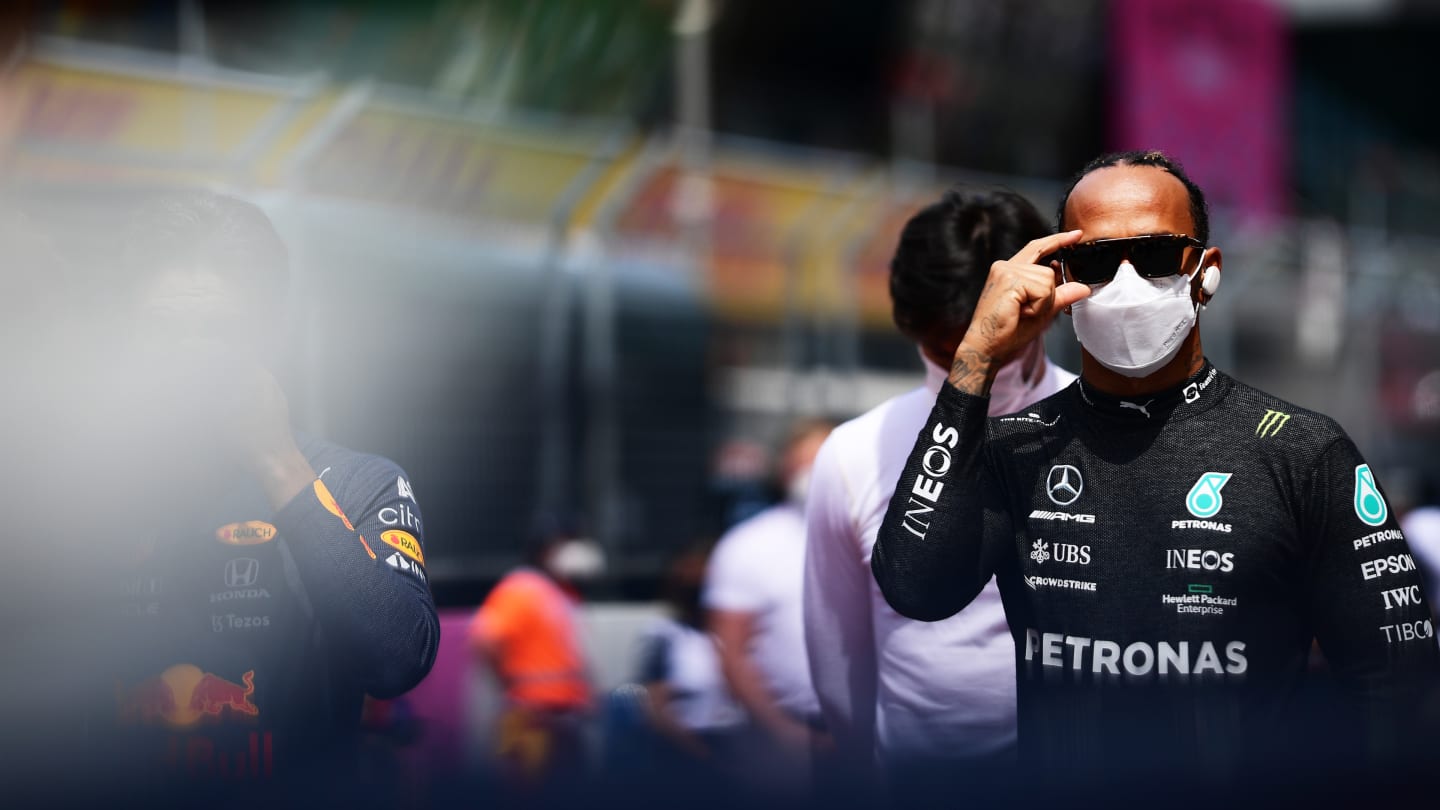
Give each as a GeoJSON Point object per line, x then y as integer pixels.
{"type": "Point", "coordinates": [527, 627]}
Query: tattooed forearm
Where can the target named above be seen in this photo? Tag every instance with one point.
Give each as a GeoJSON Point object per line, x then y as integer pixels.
{"type": "Point", "coordinates": [972, 371]}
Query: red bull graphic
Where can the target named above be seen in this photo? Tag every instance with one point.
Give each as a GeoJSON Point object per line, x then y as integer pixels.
{"type": "Point", "coordinates": [183, 695]}
{"type": "Point", "coordinates": [187, 700]}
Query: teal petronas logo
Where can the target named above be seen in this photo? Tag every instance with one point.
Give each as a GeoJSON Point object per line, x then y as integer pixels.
{"type": "Point", "coordinates": [1369, 503]}
{"type": "Point", "coordinates": [1204, 499]}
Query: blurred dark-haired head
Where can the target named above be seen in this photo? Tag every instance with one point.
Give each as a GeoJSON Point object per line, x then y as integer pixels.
{"type": "Point", "coordinates": [944, 256]}
{"type": "Point", "coordinates": [205, 265]}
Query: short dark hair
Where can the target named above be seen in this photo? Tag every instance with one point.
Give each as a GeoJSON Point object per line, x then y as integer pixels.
{"type": "Point", "coordinates": [945, 252]}
{"type": "Point", "coordinates": [1199, 209]}
{"type": "Point", "coordinates": [226, 235]}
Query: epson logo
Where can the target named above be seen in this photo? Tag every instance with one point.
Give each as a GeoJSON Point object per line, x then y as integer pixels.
{"type": "Point", "coordinates": [1394, 564]}
{"type": "Point", "coordinates": [242, 593]}
{"type": "Point", "coordinates": [1138, 659]}
{"type": "Point", "coordinates": [934, 465]}
{"type": "Point", "coordinates": [1200, 560]}
{"type": "Point", "coordinates": [1041, 514]}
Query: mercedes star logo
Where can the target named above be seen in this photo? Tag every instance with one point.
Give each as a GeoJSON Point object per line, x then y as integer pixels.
{"type": "Point", "coordinates": [1064, 484]}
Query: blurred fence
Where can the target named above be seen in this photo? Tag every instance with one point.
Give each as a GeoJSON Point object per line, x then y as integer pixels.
{"type": "Point", "coordinates": [560, 317]}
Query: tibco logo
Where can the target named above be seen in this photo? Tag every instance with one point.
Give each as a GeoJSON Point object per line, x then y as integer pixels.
{"type": "Point", "coordinates": [1138, 659]}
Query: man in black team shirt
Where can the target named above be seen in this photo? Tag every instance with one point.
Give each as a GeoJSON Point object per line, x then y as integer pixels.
{"type": "Point", "coordinates": [263, 581]}
{"type": "Point", "coordinates": [1167, 541]}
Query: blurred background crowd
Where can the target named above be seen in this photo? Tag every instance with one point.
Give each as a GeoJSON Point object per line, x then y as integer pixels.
{"type": "Point", "coordinates": [581, 267]}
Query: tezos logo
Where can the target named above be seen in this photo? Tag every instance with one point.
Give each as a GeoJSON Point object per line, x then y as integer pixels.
{"type": "Point", "coordinates": [1064, 484]}
{"type": "Point", "coordinates": [1204, 499]}
{"type": "Point", "coordinates": [1369, 503]}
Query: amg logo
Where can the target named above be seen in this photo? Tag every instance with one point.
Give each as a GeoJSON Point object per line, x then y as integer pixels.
{"type": "Point", "coordinates": [1041, 514]}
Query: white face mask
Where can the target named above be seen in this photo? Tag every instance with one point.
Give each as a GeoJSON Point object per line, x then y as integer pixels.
{"type": "Point", "coordinates": [1133, 325]}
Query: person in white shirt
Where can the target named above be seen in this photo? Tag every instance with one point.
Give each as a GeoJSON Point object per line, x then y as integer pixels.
{"type": "Point", "coordinates": [690, 706]}
{"type": "Point", "coordinates": [932, 703]}
{"type": "Point", "coordinates": [753, 598]}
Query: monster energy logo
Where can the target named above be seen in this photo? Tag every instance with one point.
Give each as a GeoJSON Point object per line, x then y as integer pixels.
{"type": "Point", "coordinates": [1271, 423]}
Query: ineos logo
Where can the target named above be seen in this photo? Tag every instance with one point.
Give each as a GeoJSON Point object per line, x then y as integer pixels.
{"type": "Point", "coordinates": [241, 572]}
{"type": "Point", "coordinates": [1064, 484]}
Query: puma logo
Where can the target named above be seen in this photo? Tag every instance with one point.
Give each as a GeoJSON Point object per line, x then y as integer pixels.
{"type": "Point", "coordinates": [1141, 408]}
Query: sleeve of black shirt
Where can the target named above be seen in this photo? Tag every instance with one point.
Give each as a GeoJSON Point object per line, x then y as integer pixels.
{"type": "Point", "coordinates": [1367, 599]}
{"type": "Point", "coordinates": [946, 527]}
{"type": "Point", "coordinates": [357, 539]}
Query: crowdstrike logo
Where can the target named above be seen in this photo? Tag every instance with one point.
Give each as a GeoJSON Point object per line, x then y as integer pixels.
{"type": "Point", "coordinates": [1064, 484]}
{"type": "Point", "coordinates": [1036, 583]}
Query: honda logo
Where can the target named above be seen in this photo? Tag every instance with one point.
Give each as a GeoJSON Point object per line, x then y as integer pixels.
{"type": "Point", "coordinates": [241, 572]}
{"type": "Point", "coordinates": [1064, 484]}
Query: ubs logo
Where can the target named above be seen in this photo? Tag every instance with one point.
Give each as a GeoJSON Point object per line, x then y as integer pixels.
{"type": "Point", "coordinates": [1064, 484]}
{"type": "Point", "coordinates": [241, 572]}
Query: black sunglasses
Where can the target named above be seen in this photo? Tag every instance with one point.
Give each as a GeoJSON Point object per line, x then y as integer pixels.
{"type": "Point", "coordinates": [1152, 256]}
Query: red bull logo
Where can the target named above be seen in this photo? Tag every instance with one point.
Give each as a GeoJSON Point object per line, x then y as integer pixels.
{"type": "Point", "coordinates": [184, 695]}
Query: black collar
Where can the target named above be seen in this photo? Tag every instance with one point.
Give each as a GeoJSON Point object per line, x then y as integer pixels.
{"type": "Point", "coordinates": [1203, 389]}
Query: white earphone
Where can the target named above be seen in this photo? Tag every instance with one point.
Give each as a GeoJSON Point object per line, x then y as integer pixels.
{"type": "Point", "coordinates": [1210, 280]}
